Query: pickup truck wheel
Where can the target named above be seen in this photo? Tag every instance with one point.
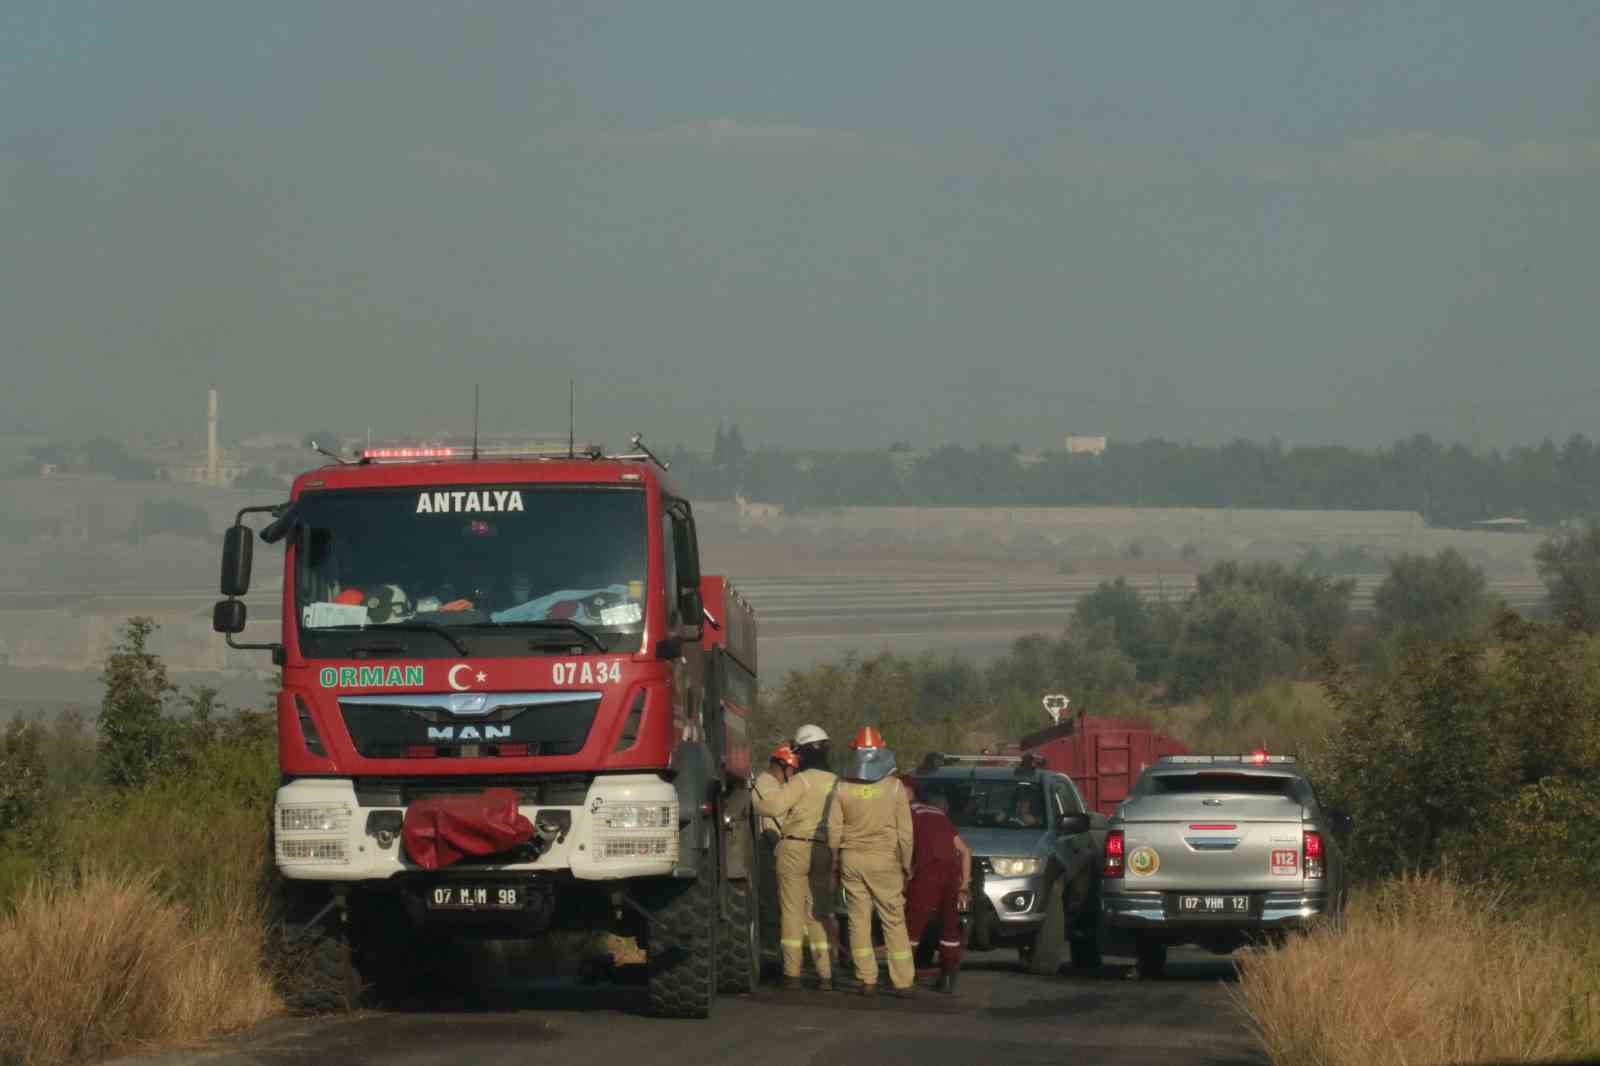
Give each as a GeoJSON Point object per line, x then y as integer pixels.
{"type": "Point", "coordinates": [1043, 957]}
{"type": "Point", "coordinates": [1084, 940]}
{"type": "Point", "coordinates": [682, 962]}
{"type": "Point", "coordinates": [1151, 958]}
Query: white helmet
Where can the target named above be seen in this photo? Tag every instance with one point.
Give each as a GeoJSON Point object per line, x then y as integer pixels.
{"type": "Point", "coordinates": [810, 734]}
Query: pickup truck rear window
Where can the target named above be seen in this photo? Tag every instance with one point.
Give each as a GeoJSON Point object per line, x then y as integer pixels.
{"type": "Point", "coordinates": [1237, 784]}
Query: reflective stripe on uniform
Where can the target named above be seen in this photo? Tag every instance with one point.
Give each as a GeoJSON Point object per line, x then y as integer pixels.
{"type": "Point", "coordinates": [861, 953]}
{"type": "Point", "coordinates": [898, 955]}
{"type": "Point", "coordinates": [949, 943]}
{"type": "Point", "coordinates": [791, 943]}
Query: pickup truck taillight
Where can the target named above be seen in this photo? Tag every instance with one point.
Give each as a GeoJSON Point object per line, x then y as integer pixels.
{"type": "Point", "coordinates": [1112, 866]}
{"type": "Point", "coordinates": [1311, 849]}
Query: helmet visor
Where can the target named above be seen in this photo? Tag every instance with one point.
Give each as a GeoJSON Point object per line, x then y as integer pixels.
{"type": "Point", "coordinates": [870, 764]}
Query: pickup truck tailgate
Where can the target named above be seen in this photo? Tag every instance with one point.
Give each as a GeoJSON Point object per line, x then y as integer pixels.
{"type": "Point", "coordinates": [1213, 841]}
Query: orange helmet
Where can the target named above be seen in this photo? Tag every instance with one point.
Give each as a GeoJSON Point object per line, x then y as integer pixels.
{"type": "Point", "coordinates": [867, 737]}
{"type": "Point", "coordinates": [785, 754]}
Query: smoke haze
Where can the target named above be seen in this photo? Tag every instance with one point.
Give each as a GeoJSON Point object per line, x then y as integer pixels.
{"type": "Point", "coordinates": [836, 225]}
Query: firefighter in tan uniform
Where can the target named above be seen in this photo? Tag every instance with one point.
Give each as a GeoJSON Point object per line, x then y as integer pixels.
{"type": "Point", "coordinates": [805, 865]}
{"type": "Point", "coordinates": [870, 830]}
{"type": "Point", "coordinates": [782, 765]}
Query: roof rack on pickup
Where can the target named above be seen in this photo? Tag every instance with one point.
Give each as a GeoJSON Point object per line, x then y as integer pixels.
{"type": "Point", "coordinates": [1258, 758]}
{"type": "Point", "coordinates": [1022, 764]}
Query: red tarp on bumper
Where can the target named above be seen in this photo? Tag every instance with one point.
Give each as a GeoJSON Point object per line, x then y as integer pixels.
{"type": "Point", "coordinates": [440, 830]}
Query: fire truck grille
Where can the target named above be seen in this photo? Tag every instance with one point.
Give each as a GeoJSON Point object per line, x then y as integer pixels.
{"type": "Point", "coordinates": [398, 730]}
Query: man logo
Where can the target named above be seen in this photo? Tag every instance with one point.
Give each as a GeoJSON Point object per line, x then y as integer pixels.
{"type": "Point", "coordinates": [469, 732]}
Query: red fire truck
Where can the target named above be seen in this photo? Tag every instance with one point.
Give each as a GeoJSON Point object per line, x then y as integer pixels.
{"type": "Point", "coordinates": [510, 704]}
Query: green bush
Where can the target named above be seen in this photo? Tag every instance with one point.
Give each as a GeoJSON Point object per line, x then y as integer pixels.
{"type": "Point", "coordinates": [1436, 598]}
{"type": "Point", "coordinates": [1463, 753]}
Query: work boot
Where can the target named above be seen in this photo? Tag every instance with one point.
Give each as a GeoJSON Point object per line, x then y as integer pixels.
{"type": "Point", "coordinates": [947, 982]}
{"type": "Point", "coordinates": [824, 984]}
{"type": "Point", "coordinates": [869, 990]}
{"type": "Point", "coordinates": [791, 984]}
{"type": "Point", "coordinates": [903, 993]}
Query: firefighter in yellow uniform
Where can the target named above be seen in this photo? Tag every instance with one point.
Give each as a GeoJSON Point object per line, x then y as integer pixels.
{"type": "Point", "coordinates": [870, 830]}
{"type": "Point", "coordinates": [805, 865]}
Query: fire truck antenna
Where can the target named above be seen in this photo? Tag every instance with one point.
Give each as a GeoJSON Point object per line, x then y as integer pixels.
{"type": "Point", "coordinates": [572, 447]}
{"type": "Point", "coordinates": [475, 390]}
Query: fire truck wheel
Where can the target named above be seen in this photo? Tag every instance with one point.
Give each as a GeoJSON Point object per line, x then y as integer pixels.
{"type": "Point", "coordinates": [739, 928]}
{"type": "Point", "coordinates": [319, 971]}
{"type": "Point", "coordinates": [682, 960]}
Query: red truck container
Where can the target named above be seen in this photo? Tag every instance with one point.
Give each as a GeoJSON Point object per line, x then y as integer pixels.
{"type": "Point", "coordinates": [1103, 756]}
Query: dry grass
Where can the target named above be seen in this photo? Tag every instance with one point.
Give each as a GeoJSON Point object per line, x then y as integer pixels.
{"type": "Point", "coordinates": [107, 963]}
{"type": "Point", "coordinates": [1429, 971]}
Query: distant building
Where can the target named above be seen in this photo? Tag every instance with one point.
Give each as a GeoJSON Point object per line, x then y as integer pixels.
{"type": "Point", "coordinates": [1078, 444]}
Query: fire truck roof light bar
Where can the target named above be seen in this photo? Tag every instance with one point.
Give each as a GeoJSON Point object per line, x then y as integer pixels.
{"type": "Point", "coordinates": [432, 453]}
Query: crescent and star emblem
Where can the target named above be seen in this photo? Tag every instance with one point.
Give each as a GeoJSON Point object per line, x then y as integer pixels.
{"type": "Point", "coordinates": [480, 677]}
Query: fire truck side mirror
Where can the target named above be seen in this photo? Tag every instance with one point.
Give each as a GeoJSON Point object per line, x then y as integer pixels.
{"type": "Point", "coordinates": [228, 616]}
{"type": "Point", "coordinates": [236, 552]}
{"type": "Point", "coordinates": [693, 610]}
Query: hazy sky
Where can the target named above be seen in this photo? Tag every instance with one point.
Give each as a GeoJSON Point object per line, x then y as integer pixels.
{"type": "Point", "coordinates": [833, 223]}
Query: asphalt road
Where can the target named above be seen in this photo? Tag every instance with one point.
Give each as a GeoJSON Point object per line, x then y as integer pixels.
{"type": "Point", "coordinates": [998, 1015]}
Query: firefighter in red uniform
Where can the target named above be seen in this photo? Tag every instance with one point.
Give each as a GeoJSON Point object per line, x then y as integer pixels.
{"type": "Point", "coordinates": [941, 869]}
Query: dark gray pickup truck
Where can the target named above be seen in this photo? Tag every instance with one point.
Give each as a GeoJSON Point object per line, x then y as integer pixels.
{"type": "Point", "coordinates": [1035, 853]}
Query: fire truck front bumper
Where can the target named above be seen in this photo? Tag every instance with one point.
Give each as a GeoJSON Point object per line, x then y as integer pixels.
{"type": "Point", "coordinates": [626, 826]}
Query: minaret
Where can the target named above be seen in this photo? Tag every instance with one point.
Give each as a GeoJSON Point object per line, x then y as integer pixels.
{"type": "Point", "coordinates": [213, 475]}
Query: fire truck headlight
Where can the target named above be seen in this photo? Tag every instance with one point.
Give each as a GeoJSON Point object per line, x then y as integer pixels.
{"type": "Point", "coordinates": [314, 818]}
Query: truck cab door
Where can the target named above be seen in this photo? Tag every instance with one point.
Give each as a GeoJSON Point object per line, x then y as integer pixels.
{"type": "Point", "coordinates": [684, 619]}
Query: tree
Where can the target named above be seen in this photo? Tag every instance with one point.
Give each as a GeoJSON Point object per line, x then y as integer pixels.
{"type": "Point", "coordinates": [1569, 566]}
{"type": "Point", "coordinates": [1233, 638]}
{"type": "Point", "coordinates": [134, 731]}
{"type": "Point", "coordinates": [1132, 622]}
{"type": "Point", "coordinates": [1319, 606]}
{"type": "Point", "coordinates": [1436, 598]}
{"type": "Point", "coordinates": [106, 456]}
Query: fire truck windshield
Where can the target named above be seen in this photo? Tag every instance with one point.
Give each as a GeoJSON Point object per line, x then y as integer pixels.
{"type": "Point", "coordinates": [508, 569]}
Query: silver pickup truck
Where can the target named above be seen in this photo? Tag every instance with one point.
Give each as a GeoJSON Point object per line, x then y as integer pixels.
{"type": "Point", "coordinates": [1218, 851]}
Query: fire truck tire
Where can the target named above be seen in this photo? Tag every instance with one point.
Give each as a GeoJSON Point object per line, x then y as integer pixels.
{"type": "Point", "coordinates": [682, 957]}
{"type": "Point", "coordinates": [739, 924]}
{"type": "Point", "coordinates": [320, 972]}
